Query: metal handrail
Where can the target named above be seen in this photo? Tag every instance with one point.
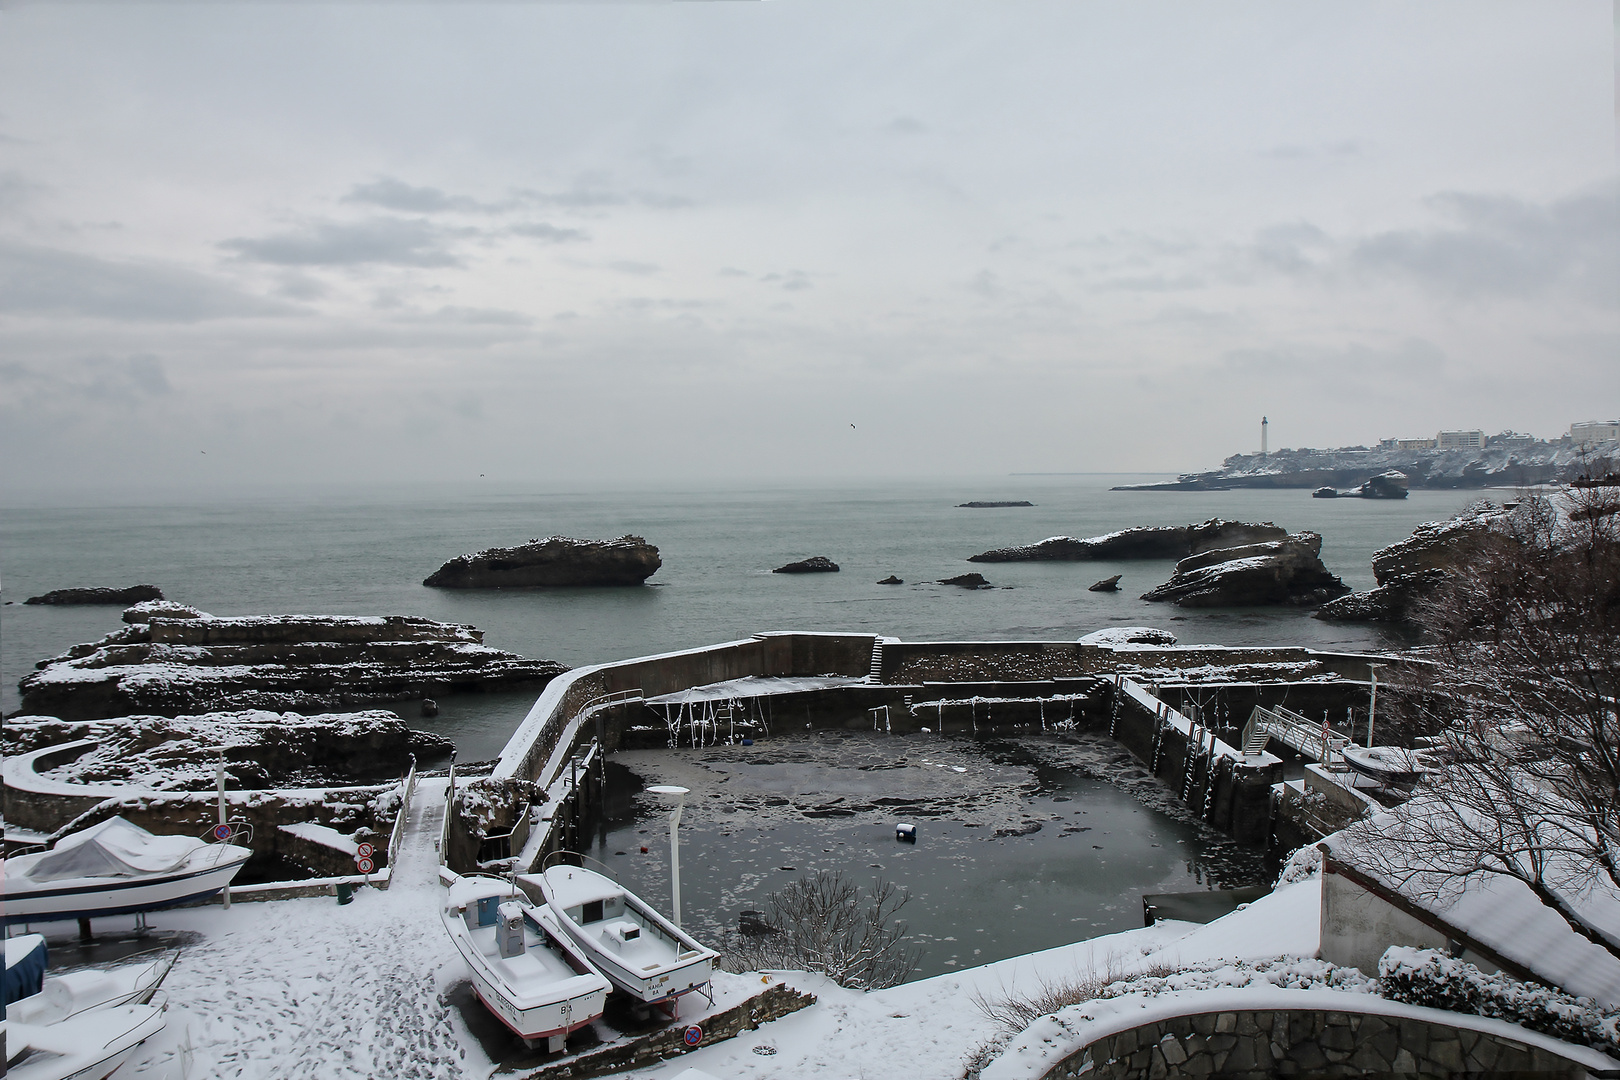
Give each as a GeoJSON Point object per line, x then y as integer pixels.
{"type": "Point", "coordinates": [449, 797]}
{"type": "Point", "coordinates": [398, 835]}
{"type": "Point", "coordinates": [545, 864]}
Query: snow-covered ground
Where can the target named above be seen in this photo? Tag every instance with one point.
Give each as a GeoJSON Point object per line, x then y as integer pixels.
{"type": "Point", "coordinates": [308, 988]}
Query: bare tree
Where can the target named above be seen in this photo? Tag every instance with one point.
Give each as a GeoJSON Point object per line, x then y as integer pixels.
{"type": "Point", "coordinates": [826, 923]}
{"type": "Point", "coordinates": [1526, 642]}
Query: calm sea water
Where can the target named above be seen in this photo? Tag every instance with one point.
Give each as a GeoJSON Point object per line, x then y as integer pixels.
{"type": "Point", "coordinates": [366, 552]}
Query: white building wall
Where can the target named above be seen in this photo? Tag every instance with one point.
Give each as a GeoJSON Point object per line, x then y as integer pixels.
{"type": "Point", "coordinates": [1592, 431]}
{"type": "Point", "coordinates": [1460, 440]}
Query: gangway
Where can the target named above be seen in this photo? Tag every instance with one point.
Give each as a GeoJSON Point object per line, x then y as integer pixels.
{"type": "Point", "coordinates": [1306, 737]}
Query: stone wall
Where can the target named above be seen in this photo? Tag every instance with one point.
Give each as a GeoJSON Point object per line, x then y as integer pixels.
{"type": "Point", "coordinates": [1307, 1043]}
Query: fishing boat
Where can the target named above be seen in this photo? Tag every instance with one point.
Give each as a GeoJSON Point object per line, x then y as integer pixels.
{"type": "Point", "coordinates": [81, 1025]}
{"type": "Point", "coordinates": [116, 867]}
{"type": "Point", "coordinates": [644, 954]}
{"type": "Point", "coordinates": [525, 969]}
{"type": "Point", "coordinates": [1388, 764]}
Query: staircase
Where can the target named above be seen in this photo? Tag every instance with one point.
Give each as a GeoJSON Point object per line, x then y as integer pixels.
{"type": "Point", "coordinates": [876, 673]}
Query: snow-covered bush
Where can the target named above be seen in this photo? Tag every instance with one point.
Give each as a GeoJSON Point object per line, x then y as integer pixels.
{"type": "Point", "coordinates": [1305, 863]}
{"type": "Point", "coordinates": [1431, 978]}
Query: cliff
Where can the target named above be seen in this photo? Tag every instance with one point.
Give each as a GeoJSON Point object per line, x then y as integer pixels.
{"type": "Point", "coordinates": [1286, 571]}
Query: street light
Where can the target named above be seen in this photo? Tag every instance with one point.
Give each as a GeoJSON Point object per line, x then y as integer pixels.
{"type": "Point", "coordinates": [1372, 704]}
{"type": "Point", "coordinates": [680, 794]}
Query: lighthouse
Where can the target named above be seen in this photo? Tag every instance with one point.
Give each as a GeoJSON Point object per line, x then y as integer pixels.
{"type": "Point", "coordinates": [1263, 423]}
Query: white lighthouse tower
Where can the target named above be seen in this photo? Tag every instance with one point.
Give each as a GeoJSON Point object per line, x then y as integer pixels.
{"type": "Point", "coordinates": [1263, 424]}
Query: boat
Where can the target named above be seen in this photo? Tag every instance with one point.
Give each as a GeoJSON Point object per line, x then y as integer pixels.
{"type": "Point", "coordinates": [81, 1025]}
{"type": "Point", "coordinates": [525, 969]}
{"type": "Point", "coordinates": [115, 868]}
{"type": "Point", "coordinates": [1388, 764]}
{"type": "Point", "coordinates": [644, 954]}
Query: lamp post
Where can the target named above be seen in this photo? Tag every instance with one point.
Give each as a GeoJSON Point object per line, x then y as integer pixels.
{"type": "Point", "coordinates": [680, 794]}
{"type": "Point", "coordinates": [1372, 703]}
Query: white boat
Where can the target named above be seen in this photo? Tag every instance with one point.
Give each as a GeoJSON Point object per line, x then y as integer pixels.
{"type": "Point", "coordinates": [116, 868]}
{"type": "Point", "coordinates": [525, 969]}
{"type": "Point", "coordinates": [81, 1025]}
{"type": "Point", "coordinates": [643, 953]}
{"type": "Point", "coordinates": [1388, 764]}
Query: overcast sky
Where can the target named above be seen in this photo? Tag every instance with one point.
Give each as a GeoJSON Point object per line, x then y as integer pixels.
{"type": "Point", "coordinates": [571, 243]}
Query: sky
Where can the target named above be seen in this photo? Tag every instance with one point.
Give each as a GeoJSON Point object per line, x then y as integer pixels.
{"type": "Point", "coordinates": [287, 242]}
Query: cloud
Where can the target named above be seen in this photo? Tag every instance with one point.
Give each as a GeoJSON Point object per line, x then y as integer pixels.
{"type": "Point", "coordinates": [1499, 245]}
{"type": "Point", "coordinates": [386, 241]}
{"type": "Point", "coordinates": [391, 194]}
{"type": "Point", "coordinates": [124, 380]}
{"type": "Point", "coordinates": [46, 281]}
{"type": "Point", "coordinates": [629, 266]}
{"type": "Point", "coordinates": [905, 125]}
{"type": "Point", "coordinates": [551, 234]}
{"type": "Point", "coordinates": [1413, 360]}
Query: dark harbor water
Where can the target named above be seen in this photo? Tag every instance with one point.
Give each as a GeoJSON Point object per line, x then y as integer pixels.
{"type": "Point", "coordinates": [1022, 844]}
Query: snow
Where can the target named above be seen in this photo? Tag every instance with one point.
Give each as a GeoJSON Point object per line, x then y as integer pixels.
{"type": "Point", "coordinates": [323, 835]}
{"type": "Point", "coordinates": [1504, 915]}
{"type": "Point", "coordinates": [755, 686]}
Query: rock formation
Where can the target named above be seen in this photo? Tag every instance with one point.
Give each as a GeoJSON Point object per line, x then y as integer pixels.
{"type": "Point", "coordinates": [1107, 584]}
{"type": "Point", "coordinates": [132, 595]}
{"type": "Point", "coordinates": [816, 564]}
{"type": "Point", "coordinates": [262, 749]}
{"type": "Point", "coordinates": [1408, 570]}
{"type": "Point", "coordinates": [303, 663]}
{"type": "Point", "coordinates": [1117, 636]}
{"type": "Point", "coordinates": [892, 580]}
{"type": "Point", "coordinates": [556, 560]}
{"type": "Point", "coordinates": [1145, 542]}
{"type": "Point", "coordinates": [147, 610]}
{"type": "Point", "coordinates": [992, 505]}
{"type": "Point", "coordinates": [1286, 571]}
{"type": "Point", "coordinates": [967, 581]}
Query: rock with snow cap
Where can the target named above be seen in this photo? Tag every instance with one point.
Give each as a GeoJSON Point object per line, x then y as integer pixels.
{"type": "Point", "coordinates": [816, 564]}
{"type": "Point", "coordinates": [1143, 542]}
{"type": "Point", "coordinates": [1288, 571]}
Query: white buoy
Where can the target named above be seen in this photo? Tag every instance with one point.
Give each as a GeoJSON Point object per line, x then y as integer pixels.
{"type": "Point", "coordinates": [905, 832]}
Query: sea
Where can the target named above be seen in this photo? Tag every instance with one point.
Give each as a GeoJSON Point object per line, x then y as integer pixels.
{"type": "Point", "coordinates": [365, 551]}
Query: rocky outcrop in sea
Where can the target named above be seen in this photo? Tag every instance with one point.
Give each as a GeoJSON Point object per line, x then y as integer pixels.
{"type": "Point", "coordinates": [298, 663]}
{"type": "Point", "coordinates": [1409, 570]}
{"type": "Point", "coordinates": [556, 560]}
{"type": "Point", "coordinates": [1286, 571]}
{"type": "Point", "coordinates": [816, 564]}
{"type": "Point", "coordinates": [967, 581]}
{"type": "Point", "coordinates": [261, 749]}
{"type": "Point", "coordinates": [1144, 542]}
{"type": "Point", "coordinates": [132, 595]}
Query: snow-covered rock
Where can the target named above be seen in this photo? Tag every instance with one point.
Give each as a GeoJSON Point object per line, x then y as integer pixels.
{"type": "Point", "coordinates": [1144, 542]}
{"type": "Point", "coordinates": [1287, 571]}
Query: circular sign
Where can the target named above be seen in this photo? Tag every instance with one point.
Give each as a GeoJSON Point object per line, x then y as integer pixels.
{"type": "Point", "coordinates": [222, 831]}
{"type": "Point", "coordinates": [365, 866]}
{"type": "Point", "coordinates": [693, 1036]}
{"type": "Point", "coordinates": [364, 851]}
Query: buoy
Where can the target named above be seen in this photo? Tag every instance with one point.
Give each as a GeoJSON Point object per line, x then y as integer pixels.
{"type": "Point", "coordinates": [748, 742]}
{"type": "Point", "coordinates": [907, 833]}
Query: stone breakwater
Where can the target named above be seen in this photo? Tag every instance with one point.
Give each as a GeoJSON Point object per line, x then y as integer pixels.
{"type": "Point", "coordinates": [1143, 542]}
{"type": "Point", "coordinates": [296, 663]}
{"type": "Point", "coordinates": [556, 560]}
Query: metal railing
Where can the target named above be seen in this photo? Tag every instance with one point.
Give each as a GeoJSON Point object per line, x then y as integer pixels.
{"type": "Point", "coordinates": [397, 837]}
{"type": "Point", "coordinates": [1299, 733]}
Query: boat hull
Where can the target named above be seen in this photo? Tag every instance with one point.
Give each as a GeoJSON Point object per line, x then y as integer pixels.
{"type": "Point", "coordinates": [94, 899]}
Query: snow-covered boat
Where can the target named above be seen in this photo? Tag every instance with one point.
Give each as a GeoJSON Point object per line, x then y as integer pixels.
{"type": "Point", "coordinates": [115, 868]}
{"type": "Point", "coordinates": [525, 969]}
{"type": "Point", "coordinates": [1388, 764]}
{"type": "Point", "coordinates": [81, 1025]}
{"type": "Point", "coordinates": [643, 953]}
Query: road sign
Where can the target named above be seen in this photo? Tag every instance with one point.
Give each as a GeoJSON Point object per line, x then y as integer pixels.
{"type": "Point", "coordinates": [693, 1036]}
{"type": "Point", "coordinates": [365, 866]}
{"type": "Point", "coordinates": [364, 851]}
{"type": "Point", "coordinates": [222, 831]}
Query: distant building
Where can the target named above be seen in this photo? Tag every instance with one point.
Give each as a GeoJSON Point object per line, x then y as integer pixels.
{"type": "Point", "coordinates": [1511, 440]}
{"type": "Point", "coordinates": [1591, 431]}
{"type": "Point", "coordinates": [1460, 440]}
{"type": "Point", "coordinates": [1405, 444]}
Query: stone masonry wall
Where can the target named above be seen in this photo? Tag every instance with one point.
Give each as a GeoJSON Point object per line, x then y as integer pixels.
{"type": "Point", "coordinates": [1256, 1045]}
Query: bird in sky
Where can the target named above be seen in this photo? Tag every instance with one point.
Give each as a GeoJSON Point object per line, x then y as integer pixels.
{"type": "Point", "coordinates": [852, 427]}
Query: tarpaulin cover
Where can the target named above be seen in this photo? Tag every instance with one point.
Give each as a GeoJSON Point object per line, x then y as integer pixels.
{"type": "Point", "coordinates": [114, 848]}
{"type": "Point", "coordinates": [25, 966]}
